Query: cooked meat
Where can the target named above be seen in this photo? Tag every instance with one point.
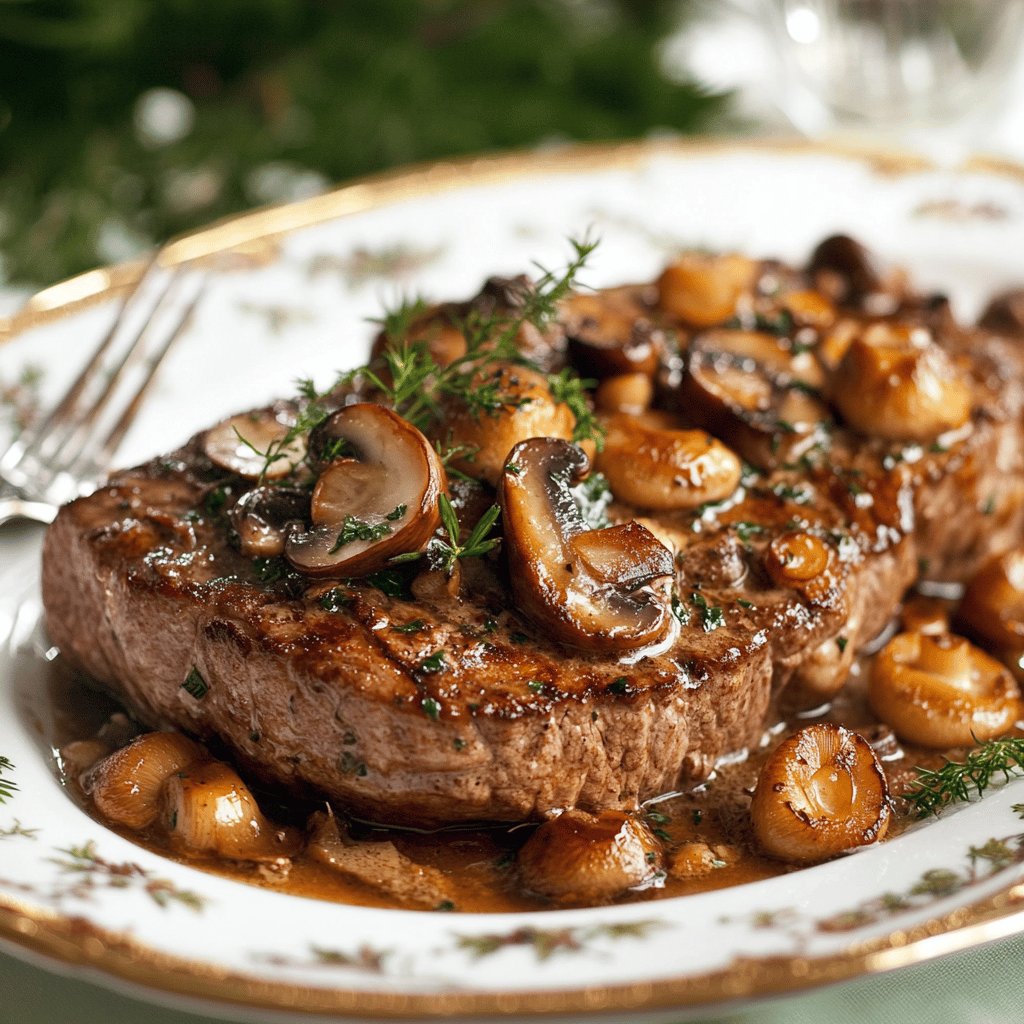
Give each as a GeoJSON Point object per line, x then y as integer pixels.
{"type": "Point", "coordinates": [456, 707]}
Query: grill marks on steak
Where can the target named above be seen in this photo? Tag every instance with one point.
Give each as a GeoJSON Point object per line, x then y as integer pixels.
{"type": "Point", "coordinates": [475, 715]}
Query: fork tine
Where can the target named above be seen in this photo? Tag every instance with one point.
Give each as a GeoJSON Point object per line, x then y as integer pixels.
{"type": "Point", "coordinates": [33, 435]}
{"type": "Point", "coordinates": [91, 463]}
{"type": "Point", "coordinates": [71, 439]}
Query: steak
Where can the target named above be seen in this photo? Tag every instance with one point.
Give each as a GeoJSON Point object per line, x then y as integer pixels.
{"type": "Point", "coordinates": [434, 708]}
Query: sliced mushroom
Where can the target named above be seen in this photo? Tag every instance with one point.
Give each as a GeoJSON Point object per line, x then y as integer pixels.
{"type": "Point", "coordinates": [753, 391]}
{"type": "Point", "coordinates": [610, 332]}
{"type": "Point", "coordinates": [702, 289]}
{"type": "Point", "coordinates": [653, 464]}
{"type": "Point", "coordinates": [821, 792]}
{"type": "Point", "coordinates": [482, 441]}
{"type": "Point", "coordinates": [941, 691]}
{"type": "Point", "coordinates": [126, 786]}
{"type": "Point", "coordinates": [894, 382]}
{"type": "Point", "coordinates": [368, 508]}
{"type": "Point", "coordinates": [250, 445]}
{"type": "Point", "coordinates": [597, 589]}
{"type": "Point", "coordinates": [589, 858]}
{"type": "Point", "coordinates": [851, 275]}
{"type": "Point", "coordinates": [263, 517]}
{"type": "Point", "coordinates": [1005, 314]}
{"type": "Point", "coordinates": [208, 810]}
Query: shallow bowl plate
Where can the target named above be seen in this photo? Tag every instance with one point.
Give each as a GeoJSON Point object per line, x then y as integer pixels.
{"type": "Point", "coordinates": [291, 294]}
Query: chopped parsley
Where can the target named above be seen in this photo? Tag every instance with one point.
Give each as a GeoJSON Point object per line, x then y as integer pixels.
{"type": "Point", "coordinates": [195, 685]}
{"type": "Point", "coordinates": [431, 708]}
{"type": "Point", "coordinates": [353, 529]}
{"type": "Point", "coordinates": [416, 626]}
{"type": "Point", "coordinates": [334, 600]}
{"type": "Point", "coordinates": [712, 617]}
{"type": "Point", "coordinates": [434, 662]}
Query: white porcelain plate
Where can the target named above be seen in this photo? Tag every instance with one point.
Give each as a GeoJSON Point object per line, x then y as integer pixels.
{"type": "Point", "coordinates": [298, 306]}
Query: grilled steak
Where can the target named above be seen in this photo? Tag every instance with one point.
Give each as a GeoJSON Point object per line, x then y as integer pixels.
{"type": "Point", "coordinates": [445, 707]}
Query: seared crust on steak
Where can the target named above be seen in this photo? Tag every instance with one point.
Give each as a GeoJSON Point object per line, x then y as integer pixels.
{"type": "Point", "coordinates": [428, 711]}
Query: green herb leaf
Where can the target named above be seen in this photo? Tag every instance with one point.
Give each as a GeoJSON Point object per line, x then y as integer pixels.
{"type": "Point", "coordinates": [712, 617]}
{"type": "Point", "coordinates": [958, 781]}
{"type": "Point", "coordinates": [7, 786]}
{"type": "Point", "coordinates": [353, 529]}
{"type": "Point", "coordinates": [195, 685]}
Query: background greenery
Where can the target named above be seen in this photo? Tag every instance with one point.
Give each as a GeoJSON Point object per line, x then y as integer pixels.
{"type": "Point", "coordinates": [123, 122]}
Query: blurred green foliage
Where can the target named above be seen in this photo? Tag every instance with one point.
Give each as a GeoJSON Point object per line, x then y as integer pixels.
{"type": "Point", "coordinates": [271, 99]}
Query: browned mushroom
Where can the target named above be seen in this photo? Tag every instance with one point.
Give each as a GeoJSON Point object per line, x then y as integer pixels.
{"type": "Point", "coordinates": [481, 441]}
{"type": "Point", "coordinates": [598, 589]}
{"type": "Point", "coordinates": [822, 791]}
{"type": "Point", "coordinates": [589, 858]}
{"type": "Point", "coordinates": [851, 275]}
{"type": "Point", "coordinates": [938, 690]}
{"type": "Point", "coordinates": [208, 810]}
{"type": "Point", "coordinates": [127, 785]}
{"type": "Point", "coordinates": [379, 503]}
{"type": "Point", "coordinates": [702, 289]}
{"type": "Point", "coordinates": [1005, 314]}
{"type": "Point", "coordinates": [250, 445]}
{"type": "Point", "coordinates": [651, 463]}
{"type": "Point", "coordinates": [992, 608]}
{"type": "Point", "coordinates": [263, 517]}
{"type": "Point", "coordinates": [894, 382]}
{"type": "Point", "coordinates": [755, 392]}
{"type": "Point", "coordinates": [610, 332]}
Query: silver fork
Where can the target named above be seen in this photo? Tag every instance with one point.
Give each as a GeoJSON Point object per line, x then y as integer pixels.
{"type": "Point", "coordinates": [65, 453]}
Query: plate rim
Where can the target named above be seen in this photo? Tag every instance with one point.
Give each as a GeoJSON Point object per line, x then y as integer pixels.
{"type": "Point", "coordinates": [74, 942]}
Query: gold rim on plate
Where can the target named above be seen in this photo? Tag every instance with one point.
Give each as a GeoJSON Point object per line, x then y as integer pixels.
{"type": "Point", "coordinates": [253, 236]}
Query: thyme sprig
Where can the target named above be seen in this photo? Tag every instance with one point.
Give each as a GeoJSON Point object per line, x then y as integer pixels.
{"type": "Point", "coordinates": [571, 389]}
{"type": "Point", "coordinates": [416, 386]}
{"type": "Point", "coordinates": [957, 781]}
{"type": "Point", "coordinates": [311, 413]}
{"type": "Point", "coordinates": [444, 554]}
{"type": "Point", "coordinates": [7, 786]}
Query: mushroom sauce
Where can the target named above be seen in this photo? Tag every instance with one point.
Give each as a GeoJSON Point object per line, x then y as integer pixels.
{"type": "Point", "coordinates": [797, 471]}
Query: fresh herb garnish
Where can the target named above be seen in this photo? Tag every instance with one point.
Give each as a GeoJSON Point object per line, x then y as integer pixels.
{"type": "Point", "coordinates": [571, 389]}
{"type": "Point", "coordinates": [7, 786]}
{"type": "Point", "coordinates": [746, 530]}
{"type": "Point", "coordinates": [431, 708]}
{"type": "Point", "coordinates": [619, 686]}
{"type": "Point", "coordinates": [712, 617]}
{"type": "Point", "coordinates": [270, 570]}
{"type": "Point", "coordinates": [415, 385]}
{"type": "Point", "coordinates": [434, 662]}
{"type": "Point", "coordinates": [388, 581]}
{"type": "Point", "coordinates": [334, 600]}
{"type": "Point", "coordinates": [416, 626]}
{"type": "Point", "coordinates": [957, 781]}
{"type": "Point", "coordinates": [353, 529]}
{"type": "Point", "coordinates": [443, 554]}
{"type": "Point", "coordinates": [195, 685]}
